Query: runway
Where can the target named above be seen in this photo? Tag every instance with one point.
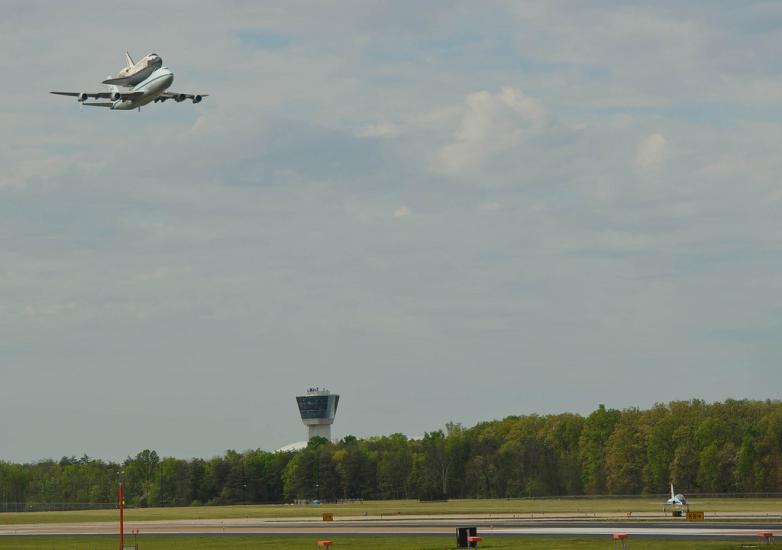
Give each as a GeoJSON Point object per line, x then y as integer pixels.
{"type": "Point", "coordinates": [408, 526]}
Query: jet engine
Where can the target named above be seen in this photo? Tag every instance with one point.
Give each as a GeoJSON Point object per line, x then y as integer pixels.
{"type": "Point", "coordinates": [179, 98]}
{"type": "Point", "coordinates": [116, 96]}
{"type": "Point", "coordinates": [197, 99]}
{"type": "Point", "coordinates": [83, 96]}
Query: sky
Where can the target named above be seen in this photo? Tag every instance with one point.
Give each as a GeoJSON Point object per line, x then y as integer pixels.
{"type": "Point", "coordinates": [442, 211]}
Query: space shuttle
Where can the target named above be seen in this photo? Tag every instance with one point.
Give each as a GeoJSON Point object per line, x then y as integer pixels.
{"type": "Point", "coordinates": [134, 73]}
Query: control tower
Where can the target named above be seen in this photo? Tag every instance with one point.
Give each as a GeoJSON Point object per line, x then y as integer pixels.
{"type": "Point", "coordinates": [318, 408]}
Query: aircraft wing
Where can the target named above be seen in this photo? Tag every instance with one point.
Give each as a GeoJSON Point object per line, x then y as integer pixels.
{"type": "Point", "coordinates": [119, 81]}
{"type": "Point", "coordinates": [99, 95]}
{"type": "Point", "coordinates": [180, 97]}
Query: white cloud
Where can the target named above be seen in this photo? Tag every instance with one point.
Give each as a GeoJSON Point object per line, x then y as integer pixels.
{"type": "Point", "coordinates": [381, 129]}
{"type": "Point", "coordinates": [402, 212]}
{"type": "Point", "coordinates": [491, 124]}
{"type": "Point", "coordinates": [242, 200]}
{"type": "Point", "coordinates": [652, 152]}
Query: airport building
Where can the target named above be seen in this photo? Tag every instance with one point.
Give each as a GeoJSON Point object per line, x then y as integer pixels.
{"type": "Point", "coordinates": [318, 407]}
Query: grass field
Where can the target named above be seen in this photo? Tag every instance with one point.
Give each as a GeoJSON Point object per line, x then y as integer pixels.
{"type": "Point", "coordinates": [391, 507]}
{"type": "Point", "coordinates": [356, 543]}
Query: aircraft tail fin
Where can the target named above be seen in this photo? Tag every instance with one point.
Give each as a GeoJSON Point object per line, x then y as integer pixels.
{"type": "Point", "coordinates": [672, 493]}
{"type": "Point", "coordinates": [129, 59]}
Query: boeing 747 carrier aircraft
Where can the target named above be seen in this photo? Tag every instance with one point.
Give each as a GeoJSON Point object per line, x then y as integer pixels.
{"type": "Point", "coordinates": [143, 82]}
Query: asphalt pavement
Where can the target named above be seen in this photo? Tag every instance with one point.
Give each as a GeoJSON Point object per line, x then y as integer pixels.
{"type": "Point", "coordinates": [422, 525]}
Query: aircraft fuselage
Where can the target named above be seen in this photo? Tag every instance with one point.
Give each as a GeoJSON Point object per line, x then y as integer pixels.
{"type": "Point", "coordinates": [151, 87]}
{"type": "Point", "coordinates": [135, 73]}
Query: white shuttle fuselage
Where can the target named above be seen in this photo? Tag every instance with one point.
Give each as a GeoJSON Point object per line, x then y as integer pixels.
{"type": "Point", "coordinates": [135, 73]}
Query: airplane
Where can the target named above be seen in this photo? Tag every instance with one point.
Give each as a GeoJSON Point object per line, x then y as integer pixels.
{"type": "Point", "coordinates": [676, 499]}
{"type": "Point", "coordinates": [134, 73]}
{"type": "Point", "coordinates": [153, 88]}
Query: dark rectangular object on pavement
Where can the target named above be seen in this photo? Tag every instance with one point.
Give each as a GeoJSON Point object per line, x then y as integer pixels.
{"type": "Point", "coordinates": [461, 537]}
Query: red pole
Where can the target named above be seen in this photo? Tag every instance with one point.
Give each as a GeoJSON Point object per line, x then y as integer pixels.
{"type": "Point", "coordinates": [121, 518]}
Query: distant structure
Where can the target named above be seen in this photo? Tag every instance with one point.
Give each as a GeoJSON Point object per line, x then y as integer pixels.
{"type": "Point", "coordinates": [318, 408]}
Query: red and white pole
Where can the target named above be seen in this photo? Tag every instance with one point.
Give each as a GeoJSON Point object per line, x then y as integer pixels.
{"type": "Point", "coordinates": [121, 518]}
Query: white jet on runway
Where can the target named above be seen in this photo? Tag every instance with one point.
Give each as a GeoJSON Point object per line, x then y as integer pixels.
{"type": "Point", "coordinates": [676, 499]}
{"type": "Point", "coordinates": [152, 88]}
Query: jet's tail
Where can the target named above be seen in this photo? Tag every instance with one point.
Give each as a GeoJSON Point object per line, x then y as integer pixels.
{"type": "Point", "coordinates": [672, 493]}
{"type": "Point", "coordinates": [129, 59]}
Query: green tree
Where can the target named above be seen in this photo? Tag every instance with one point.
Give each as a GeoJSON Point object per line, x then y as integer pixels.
{"type": "Point", "coordinates": [141, 478]}
{"type": "Point", "coordinates": [660, 449]}
{"type": "Point", "coordinates": [435, 467]}
{"type": "Point", "coordinates": [625, 455]}
{"type": "Point", "coordinates": [393, 465]}
{"type": "Point", "coordinates": [598, 427]}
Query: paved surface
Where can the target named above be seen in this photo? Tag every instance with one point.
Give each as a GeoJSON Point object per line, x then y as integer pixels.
{"type": "Point", "coordinates": [739, 528]}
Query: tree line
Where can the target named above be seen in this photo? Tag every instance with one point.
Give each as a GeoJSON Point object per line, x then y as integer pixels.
{"type": "Point", "coordinates": [727, 447]}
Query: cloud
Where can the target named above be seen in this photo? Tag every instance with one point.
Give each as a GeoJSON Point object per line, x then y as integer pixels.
{"type": "Point", "coordinates": [264, 225]}
{"type": "Point", "coordinates": [380, 129]}
{"type": "Point", "coordinates": [491, 124]}
{"type": "Point", "coordinates": [652, 153]}
{"type": "Point", "coordinates": [402, 212]}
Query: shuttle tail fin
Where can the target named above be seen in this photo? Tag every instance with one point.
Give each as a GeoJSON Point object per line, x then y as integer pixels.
{"type": "Point", "coordinates": [129, 59]}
